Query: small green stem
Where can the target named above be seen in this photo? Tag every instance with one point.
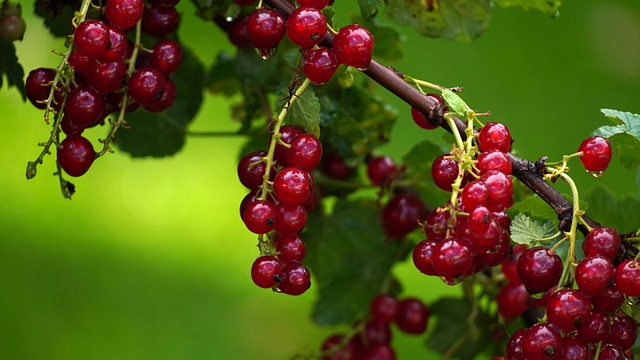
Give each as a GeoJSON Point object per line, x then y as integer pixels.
{"type": "Point", "coordinates": [454, 130]}
{"type": "Point", "coordinates": [571, 236]}
{"type": "Point", "coordinates": [418, 83]}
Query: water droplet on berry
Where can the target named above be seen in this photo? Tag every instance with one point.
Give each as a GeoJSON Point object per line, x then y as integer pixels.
{"type": "Point", "coordinates": [266, 54]}
{"type": "Point", "coordinates": [596, 174]}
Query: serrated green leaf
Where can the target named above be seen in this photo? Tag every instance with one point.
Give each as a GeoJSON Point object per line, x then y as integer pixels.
{"type": "Point", "coordinates": [11, 68]}
{"type": "Point", "coordinates": [369, 8]}
{"type": "Point", "coordinates": [453, 335]}
{"type": "Point", "coordinates": [549, 7]}
{"type": "Point", "coordinates": [537, 208]}
{"type": "Point", "coordinates": [163, 134]}
{"type": "Point", "coordinates": [349, 258]}
{"type": "Point", "coordinates": [525, 230]}
{"type": "Point", "coordinates": [387, 39]}
{"type": "Point", "coordinates": [305, 112]}
{"type": "Point", "coordinates": [330, 14]}
{"type": "Point", "coordinates": [617, 212]}
{"type": "Point", "coordinates": [460, 20]}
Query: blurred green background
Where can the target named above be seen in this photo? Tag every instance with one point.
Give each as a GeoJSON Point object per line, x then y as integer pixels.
{"type": "Point", "coordinates": [150, 260]}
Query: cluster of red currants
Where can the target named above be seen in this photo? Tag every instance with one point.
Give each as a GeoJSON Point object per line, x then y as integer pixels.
{"type": "Point", "coordinates": [371, 339]}
{"type": "Point", "coordinates": [306, 27]}
{"type": "Point", "coordinates": [473, 233]}
{"type": "Point", "coordinates": [96, 77]}
{"type": "Point", "coordinates": [281, 207]}
{"type": "Point", "coordinates": [12, 25]}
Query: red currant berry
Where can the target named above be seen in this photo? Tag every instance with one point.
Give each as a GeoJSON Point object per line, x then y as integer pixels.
{"type": "Point", "coordinates": [84, 106]}
{"type": "Point", "coordinates": [595, 327]}
{"type": "Point", "coordinates": [334, 167]}
{"type": "Point", "coordinates": [603, 241]}
{"type": "Point", "coordinates": [75, 155]}
{"type": "Point", "coordinates": [69, 127]}
{"type": "Point", "coordinates": [567, 308]}
{"type": "Point", "coordinates": [91, 38]}
{"type": "Point", "coordinates": [38, 86]}
{"type": "Point", "coordinates": [375, 333]}
{"type": "Point", "coordinates": [290, 219]}
{"type": "Point", "coordinates": [335, 348]}
{"type": "Point", "coordinates": [117, 48]}
{"type": "Point", "coordinates": [500, 189]}
{"type": "Point", "coordinates": [318, 4]}
{"type": "Point", "coordinates": [259, 216]}
{"type": "Point", "coordinates": [401, 214]}
{"type": "Point", "coordinates": [422, 253]}
{"type": "Point", "coordinates": [611, 352]}
{"type": "Point", "coordinates": [474, 195]}
{"type": "Point", "coordinates": [305, 152]}
{"type": "Point", "coordinates": [627, 277]}
{"type": "Point", "coordinates": [160, 21]}
{"type": "Point", "coordinates": [237, 32]}
{"type": "Point", "coordinates": [542, 342]}
{"type": "Point", "coordinates": [596, 154]}
{"type": "Point", "coordinates": [288, 133]}
{"type": "Point", "coordinates": [107, 77]}
{"type": "Point", "coordinates": [265, 28]}
{"type": "Point", "coordinates": [383, 308]}
{"type": "Point", "coordinates": [251, 170]}
{"type": "Point", "coordinates": [124, 13]}
{"type": "Point", "coordinates": [12, 28]}
{"type": "Point", "coordinates": [494, 160]}
{"type": "Point", "coordinates": [437, 223]}
{"type": "Point", "coordinates": [319, 64]}
{"type": "Point", "coordinates": [539, 269]}
{"type": "Point", "coordinates": [573, 348]}
{"type": "Point", "coordinates": [496, 257]}
{"type": "Point", "coordinates": [80, 62]}
{"type": "Point", "coordinates": [168, 97]}
{"type": "Point", "coordinates": [512, 300]}
{"type": "Point", "coordinates": [593, 274]}
{"type": "Point", "coordinates": [509, 266]}
{"type": "Point", "coordinates": [378, 352]}
{"type": "Point", "coordinates": [489, 240]}
{"type": "Point", "coordinates": [146, 86]}
{"type": "Point", "coordinates": [306, 26]}
{"type": "Point", "coordinates": [609, 299]}
{"type": "Point", "coordinates": [624, 331]}
{"type": "Point", "coordinates": [381, 170]}
{"type": "Point", "coordinates": [453, 259]}
{"type": "Point", "coordinates": [166, 56]}
{"type": "Point", "coordinates": [479, 221]}
{"type": "Point", "coordinates": [514, 345]}
{"type": "Point", "coordinates": [494, 136]}
{"type": "Point", "coordinates": [353, 46]}
{"type": "Point", "coordinates": [292, 186]}
{"type": "Point", "coordinates": [412, 316]}
{"type": "Point", "coordinates": [421, 119]}
{"type": "Point", "coordinates": [444, 171]}
{"type": "Point", "coordinates": [266, 271]}
{"type": "Point", "coordinates": [291, 248]}
{"type": "Point", "coordinates": [295, 279]}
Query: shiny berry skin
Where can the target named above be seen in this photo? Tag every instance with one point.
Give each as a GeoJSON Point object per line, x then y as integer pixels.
{"type": "Point", "coordinates": [401, 214]}
{"type": "Point", "coordinates": [290, 219]}
{"type": "Point", "coordinates": [444, 171]}
{"type": "Point", "coordinates": [593, 274]}
{"type": "Point", "coordinates": [12, 28]}
{"type": "Point", "coordinates": [288, 133]}
{"type": "Point", "coordinates": [169, 94]}
{"type": "Point", "coordinates": [500, 187]}
{"type": "Point", "coordinates": [266, 271]}
{"type": "Point", "coordinates": [567, 308]}
{"type": "Point", "coordinates": [609, 299]}
{"type": "Point", "coordinates": [539, 269]}
{"type": "Point", "coordinates": [378, 352]}
{"type": "Point", "coordinates": [627, 277]}
{"type": "Point", "coordinates": [265, 28]}
{"type": "Point", "coordinates": [595, 327]}
{"type": "Point", "coordinates": [383, 308]}
{"type": "Point", "coordinates": [80, 62]}
{"type": "Point", "coordinates": [237, 32]}
{"type": "Point", "coordinates": [69, 127]}
{"type": "Point", "coordinates": [381, 169]}
{"type": "Point", "coordinates": [251, 169]}
{"type": "Point", "coordinates": [117, 48]}
{"type": "Point", "coordinates": [596, 153]}
{"type": "Point", "coordinates": [494, 136]}
{"type": "Point", "coordinates": [624, 331]}
{"type": "Point", "coordinates": [353, 46]}
{"type": "Point", "coordinates": [376, 333]}
{"type": "Point", "coordinates": [84, 106]}
{"type": "Point", "coordinates": [295, 279]}
{"type": "Point", "coordinates": [421, 119]}
{"type": "Point", "coordinates": [292, 186]}
{"type": "Point", "coordinates": [421, 255]}
{"type": "Point", "coordinates": [159, 21]}
{"type": "Point", "coordinates": [306, 26]}
{"type": "Point", "coordinates": [318, 4]}
{"type": "Point", "coordinates": [479, 221]}
{"type": "Point", "coordinates": [166, 56]}
{"type": "Point", "coordinates": [91, 38]}
{"type": "Point", "coordinates": [494, 160]}
{"type": "Point", "coordinates": [107, 77]}
{"type": "Point", "coordinates": [38, 86]}
{"type": "Point", "coordinates": [611, 352]}
{"type": "Point", "coordinates": [75, 155]}
{"type": "Point", "coordinates": [291, 248]}
{"type": "Point", "coordinates": [542, 342]}
{"type": "Point", "coordinates": [305, 152]}
{"type": "Point", "coordinates": [603, 241]}
{"type": "Point", "coordinates": [146, 86]}
{"type": "Point", "coordinates": [574, 348]}
{"type": "Point", "coordinates": [319, 64]}
{"type": "Point", "coordinates": [124, 13]}
{"type": "Point", "coordinates": [512, 300]}
{"type": "Point", "coordinates": [259, 216]}
{"type": "Point", "coordinates": [412, 316]}
{"type": "Point", "coordinates": [513, 348]}
{"type": "Point", "coordinates": [437, 223]}
{"type": "Point", "coordinates": [452, 259]}
{"type": "Point", "coordinates": [474, 195]}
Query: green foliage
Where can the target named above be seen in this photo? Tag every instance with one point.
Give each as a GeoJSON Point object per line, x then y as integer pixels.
{"type": "Point", "coordinates": [418, 162]}
{"type": "Point", "coordinates": [57, 15]}
{"type": "Point", "coordinates": [350, 259]}
{"type": "Point", "coordinates": [609, 210]}
{"type": "Point", "coordinates": [537, 208]}
{"type": "Point", "coordinates": [625, 135]}
{"type": "Point", "coordinates": [305, 112]}
{"type": "Point", "coordinates": [525, 230]}
{"type": "Point", "coordinates": [11, 68]}
{"type": "Point", "coordinates": [163, 134]}
{"type": "Point", "coordinates": [549, 7]}
{"type": "Point", "coordinates": [369, 8]}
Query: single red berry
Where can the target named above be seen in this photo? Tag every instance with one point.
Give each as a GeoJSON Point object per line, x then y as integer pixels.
{"type": "Point", "coordinates": [567, 309]}
{"type": "Point", "coordinates": [75, 155]}
{"type": "Point", "coordinates": [593, 274]}
{"type": "Point", "coordinates": [306, 26]}
{"type": "Point", "coordinates": [80, 62]}
{"type": "Point", "coordinates": [514, 348]}
{"type": "Point", "coordinates": [453, 259]}
{"type": "Point", "coordinates": [295, 279]}
{"type": "Point", "coordinates": [38, 86]}
{"type": "Point", "coordinates": [334, 167]}
{"type": "Point", "coordinates": [500, 187]}
{"type": "Point", "coordinates": [610, 299]}
{"type": "Point", "coordinates": [291, 248]}
{"type": "Point", "coordinates": [479, 221]}
{"type": "Point", "coordinates": [611, 352]}
{"type": "Point", "coordinates": [91, 38]}
{"type": "Point", "coordinates": [381, 169]}
{"type": "Point", "coordinates": [335, 348]}
{"type": "Point", "coordinates": [146, 86]}
{"type": "Point", "coordinates": [353, 46]}
{"type": "Point", "coordinates": [251, 169]}
{"type": "Point", "coordinates": [509, 266]}
{"type": "Point", "coordinates": [444, 171]}
{"type": "Point", "coordinates": [160, 21]}
{"type": "Point", "coordinates": [401, 214]}
{"type": "Point", "coordinates": [166, 56]}
{"type": "Point", "coordinates": [288, 133]}
{"type": "Point", "coordinates": [475, 194]}
{"type": "Point", "coordinates": [107, 77]}
{"type": "Point", "coordinates": [512, 300]}
{"type": "Point", "coordinates": [627, 277]}
{"type": "Point", "coordinates": [496, 257]}
{"type": "Point", "coordinates": [84, 106]}
{"type": "Point", "coordinates": [421, 119]}
{"type": "Point", "coordinates": [12, 28]}
{"type": "Point", "coordinates": [412, 316]}
{"type": "Point", "coordinates": [574, 348]}
{"type": "Point", "coordinates": [292, 186]}
{"type": "Point", "coordinates": [596, 153]}
{"type": "Point", "coordinates": [117, 48]}
{"type": "Point", "coordinates": [624, 331]}
{"type": "Point", "coordinates": [168, 97]}
{"type": "Point", "coordinates": [539, 269]}
{"type": "Point", "coordinates": [259, 216]}
{"type": "Point", "coordinates": [319, 64]}
{"type": "Point", "coordinates": [305, 152]}
{"type": "Point", "coordinates": [376, 333]}
{"type": "Point", "coordinates": [290, 219]}
{"type": "Point", "coordinates": [542, 342]}
{"type": "Point", "coordinates": [437, 223]}
{"type": "Point", "coordinates": [494, 160]}
{"type": "Point", "coordinates": [318, 4]}
{"type": "Point", "coordinates": [595, 327]}
{"type": "Point", "coordinates": [603, 241]}
{"type": "Point", "coordinates": [237, 32]}
{"type": "Point", "coordinates": [494, 136]}
{"type": "Point", "coordinates": [489, 240]}
{"type": "Point", "coordinates": [69, 127]}
{"type": "Point", "coordinates": [383, 308]}
{"type": "Point", "coordinates": [124, 13]}
{"type": "Point", "coordinates": [265, 28]}
{"type": "Point", "coordinates": [421, 255]}
{"type": "Point", "coordinates": [266, 271]}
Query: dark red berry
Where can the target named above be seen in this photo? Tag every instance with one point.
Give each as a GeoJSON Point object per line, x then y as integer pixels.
{"type": "Point", "coordinates": [251, 169]}
{"type": "Point", "coordinates": [306, 26]}
{"type": "Point", "coordinates": [539, 269]}
{"type": "Point", "coordinates": [146, 86]}
{"type": "Point", "coordinates": [475, 194]}
{"type": "Point", "coordinates": [75, 155]}
{"type": "Point", "coordinates": [611, 352]}
{"type": "Point", "coordinates": [168, 97]}
{"type": "Point", "coordinates": [160, 21]}
{"type": "Point", "coordinates": [81, 63]}
{"type": "Point", "coordinates": [624, 331]}
{"type": "Point", "coordinates": [627, 277]}
{"type": "Point", "coordinates": [437, 223]}
{"type": "Point", "coordinates": [444, 171]}
{"type": "Point", "coordinates": [117, 48]}
{"type": "Point", "coordinates": [84, 106]}
{"type": "Point", "coordinates": [593, 274]}
{"type": "Point", "coordinates": [421, 119]}
{"type": "Point", "coordinates": [541, 342]}
{"type": "Point", "coordinates": [412, 316]}
{"type": "Point", "coordinates": [512, 300]}
{"type": "Point", "coordinates": [574, 348]}
{"type": "Point", "coordinates": [353, 46]}
{"type": "Point", "coordinates": [319, 64]}
{"type": "Point", "coordinates": [91, 38]}
{"type": "Point", "coordinates": [290, 219]}
{"type": "Point", "coordinates": [514, 348]}
{"type": "Point", "coordinates": [596, 153]}
{"type": "Point", "coordinates": [401, 214]}
{"type": "Point", "coordinates": [334, 167]}
{"type": "Point", "coordinates": [38, 86]}
{"type": "Point", "coordinates": [378, 352]}
{"type": "Point", "coordinates": [292, 186]}
{"type": "Point", "coordinates": [107, 77]}
{"type": "Point", "coordinates": [259, 216]}
{"type": "Point", "coordinates": [266, 271]}
{"type": "Point", "coordinates": [494, 160]}
{"type": "Point", "coordinates": [124, 13]}
{"type": "Point", "coordinates": [595, 327]}
{"type": "Point", "coordinates": [603, 241]}
{"type": "Point", "coordinates": [381, 169]}
{"type": "Point", "coordinates": [609, 299]}
{"type": "Point", "coordinates": [12, 27]}
{"type": "Point", "coordinates": [567, 308]}
{"type": "Point", "coordinates": [494, 136]}
{"type": "Point", "coordinates": [237, 32]}
{"type": "Point", "coordinates": [376, 333]}
{"type": "Point", "coordinates": [383, 308]}
{"type": "Point", "coordinates": [265, 28]}
{"type": "Point", "coordinates": [453, 259]}
{"type": "Point", "coordinates": [288, 133]}
{"type": "Point", "coordinates": [422, 253]}
{"type": "Point", "coordinates": [335, 348]}
{"type": "Point", "coordinates": [295, 279]}
{"type": "Point", "coordinates": [166, 56]}
{"type": "Point", "coordinates": [305, 152]}
{"type": "Point", "coordinates": [500, 189]}
{"type": "Point", "coordinates": [290, 248]}
{"type": "Point", "coordinates": [509, 266]}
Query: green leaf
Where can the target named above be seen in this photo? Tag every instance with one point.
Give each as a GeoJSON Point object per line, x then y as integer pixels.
{"type": "Point", "coordinates": [609, 210]}
{"type": "Point", "coordinates": [11, 68]}
{"type": "Point", "coordinates": [549, 7]}
{"type": "Point", "coordinates": [57, 15]}
{"type": "Point", "coordinates": [460, 20]}
{"type": "Point", "coordinates": [452, 333]}
{"type": "Point", "coordinates": [535, 207]}
{"type": "Point", "coordinates": [417, 162]}
{"type": "Point", "coordinates": [349, 258]}
{"type": "Point", "coordinates": [455, 102]}
{"type": "Point", "coordinates": [305, 112]}
{"type": "Point", "coordinates": [369, 8]}
{"type": "Point", "coordinates": [163, 134]}
{"type": "Point", "coordinates": [625, 136]}
{"type": "Point", "coordinates": [525, 230]}
{"type": "Point", "coordinates": [388, 40]}
{"type": "Point", "coordinates": [222, 76]}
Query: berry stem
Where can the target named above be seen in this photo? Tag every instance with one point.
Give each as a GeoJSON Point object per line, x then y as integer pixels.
{"type": "Point", "coordinates": [419, 83]}
{"type": "Point", "coordinates": [571, 253]}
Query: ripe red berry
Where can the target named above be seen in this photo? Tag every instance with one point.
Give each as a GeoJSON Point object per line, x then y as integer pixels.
{"type": "Point", "coordinates": [80, 62]}
{"type": "Point", "coordinates": [305, 152]}
{"type": "Point", "coordinates": [266, 271]}
{"type": "Point", "coordinates": [412, 316]}
{"type": "Point", "coordinates": [288, 133]}
{"type": "Point", "coordinates": [107, 77]}
{"type": "Point", "coordinates": [595, 327]}
{"type": "Point", "coordinates": [494, 160]}
{"type": "Point", "coordinates": [611, 352]}
{"type": "Point", "coordinates": [290, 219]}
{"type": "Point", "coordinates": [494, 136]}
{"type": "Point", "coordinates": [375, 333]}
{"type": "Point", "coordinates": [251, 169]}
{"type": "Point", "coordinates": [168, 97]}
{"type": "Point", "coordinates": [624, 331]}
{"type": "Point", "coordinates": [12, 28]}
{"type": "Point", "coordinates": [437, 223]}
{"type": "Point", "coordinates": [124, 13]}
{"type": "Point", "coordinates": [596, 154]}
{"type": "Point", "coordinates": [334, 167]}
{"type": "Point", "coordinates": [603, 241]}
{"type": "Point", "coordinates": [500, 188]}
{"type": "Point", "coordinates": [539, 269]}
{"type": "Point", "coordinates": [159, 21]}
{"type": "Point", "coordinates": [421, 119]}
{"type": "Point", "coordinates": [512, 300]}
{"type": "Point", "coordinates": [574, 348]}
{"type": "Point", "coordinates": [84, 106]}
{"type": "Point", "coordinates": [421, 255]}
{"type": "Point", "coordinates": [514, 345]}
{"type": "Point", "coordinates": [319, 64]}
{"type": "Point", "coordinates": [237, 32]}
{"type": "Point", "coordinates": [259, 216]}
{"type": "Point", "coordinates": [292, 185]}
{"type": "Point", "coordinates": [117, 48]}
{"type": "Point", "coordinates": [146, 86]}
{"type": "Point", "coordinates": [475, 194]}
{"type": "Point", "coordinates": [291, 248]}
{"type": "Point", "coordinates": [306, 26]}
{"type": "Point", "coordinates": [444, 171]}
{"type": "Point", "coordinates": [265, 28]}
{"type": "Point", "coordinates": [38, 86]}
{"type": "Point", "coordinates": [378, 352]}
{"type": "Point", "coordinates": [542, 342]}
{"type": "Point", "coordinates": [91, 38]}
{"type": "Point", "coordinates": [593, 274]}
{"type": "Point", "coordinates": [295, 279]}
{"type": "Point", "coordinates": [567, 308]}
{"type": "Point", "coordinates": [381, 169]}
{"type": "Point", "coordinates": [401, 214]}
{"type": "Point", "coordinates": [166, 56]}
{"type": "Point", "coordinates": [627, 277]}
{"type": "Point", "coordinates": [383, 308]}
{"type": "Point", "coordinates": [75, 155]}
{"type": "Point", "coordinates": [453, 259]}
{"type": "Point", "coordinates": [609, 299]}
{"type": "Point", "coordinates": [335, 348]}
{"type": "Point", "coordinates": [353, 45]}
